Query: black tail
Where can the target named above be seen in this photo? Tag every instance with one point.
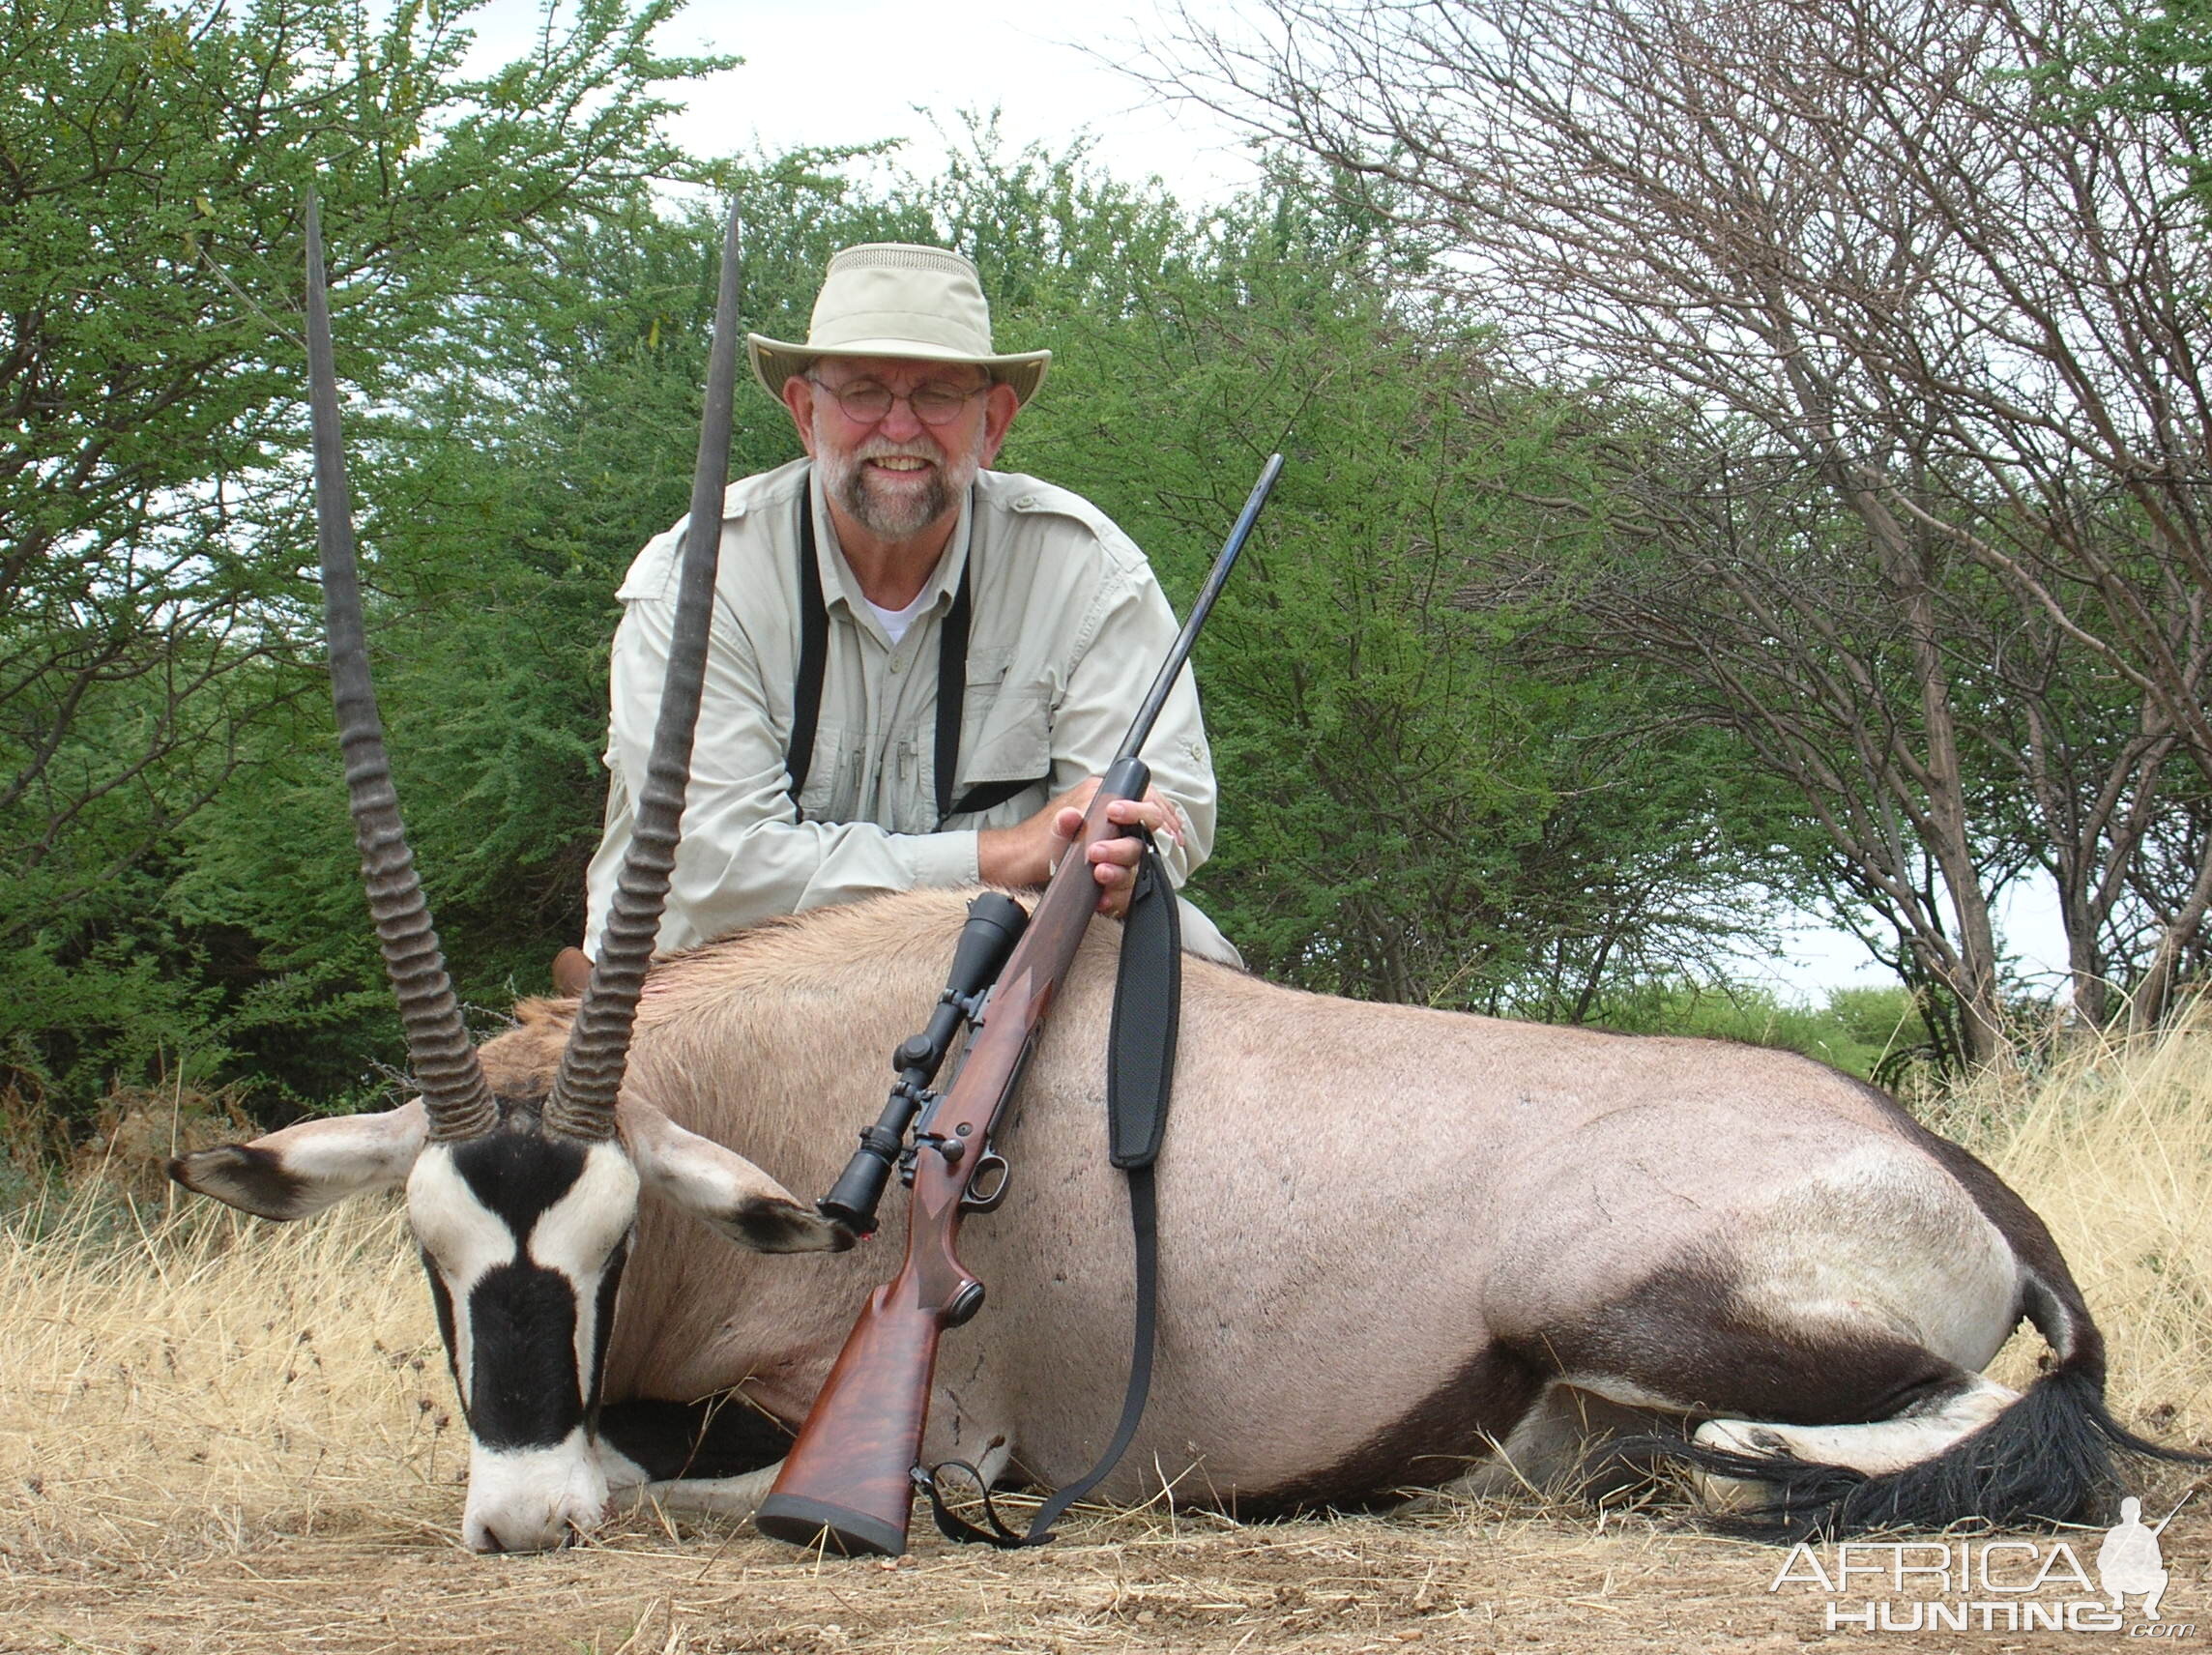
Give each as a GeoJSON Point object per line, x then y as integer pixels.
{"type": "Point", "coordinates": [2048, 1459]}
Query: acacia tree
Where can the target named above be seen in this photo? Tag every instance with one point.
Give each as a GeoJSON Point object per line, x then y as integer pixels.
{"type": "Point", "coordinates": [154, 160]}
{"type": "Point", "coordinates": [1415, 804]}
{"type": "Point", "coordinates": [1856, 262]}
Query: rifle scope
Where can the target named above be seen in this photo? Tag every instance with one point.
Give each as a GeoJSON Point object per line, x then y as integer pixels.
{"type": "Point", "coordinates": [995, 923]}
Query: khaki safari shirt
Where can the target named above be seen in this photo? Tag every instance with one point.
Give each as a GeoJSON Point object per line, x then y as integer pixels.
{"type": "Point", "coordinates": [1067, 630]}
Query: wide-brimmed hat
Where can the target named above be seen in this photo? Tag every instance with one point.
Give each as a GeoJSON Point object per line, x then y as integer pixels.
{"type": "Point", "coordinates": [894, 298]}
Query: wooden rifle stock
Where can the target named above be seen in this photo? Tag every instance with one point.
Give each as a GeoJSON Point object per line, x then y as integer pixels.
{"type": "Point", "coordinates": [847, 1483]}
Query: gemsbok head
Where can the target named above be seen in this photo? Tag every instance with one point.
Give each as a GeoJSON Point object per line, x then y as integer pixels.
{"type": "Point", "coordinates": [523, 1196]}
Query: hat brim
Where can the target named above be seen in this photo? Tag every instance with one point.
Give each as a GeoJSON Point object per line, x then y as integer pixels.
{"type": "Point", "coordinates": [775, 361]}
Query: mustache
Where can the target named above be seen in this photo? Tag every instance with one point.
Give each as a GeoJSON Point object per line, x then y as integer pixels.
{"type": "Point", "coordinates": [882, 449]}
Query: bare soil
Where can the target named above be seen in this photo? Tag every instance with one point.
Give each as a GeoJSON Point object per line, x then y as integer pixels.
{"type": "Point", "coordinates": [1490, 1578]}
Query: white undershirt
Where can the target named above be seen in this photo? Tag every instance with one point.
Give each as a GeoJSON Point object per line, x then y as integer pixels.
{"type": "Point", "coordinates": [897, 620]}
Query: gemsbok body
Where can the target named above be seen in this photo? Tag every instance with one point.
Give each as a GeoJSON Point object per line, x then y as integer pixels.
{"type": "Point", "coordinates": [1399, 1248]}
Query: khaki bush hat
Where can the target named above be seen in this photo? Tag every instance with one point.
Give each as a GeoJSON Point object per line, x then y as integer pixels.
{"type": "Point", "coordinates": [894, 298]}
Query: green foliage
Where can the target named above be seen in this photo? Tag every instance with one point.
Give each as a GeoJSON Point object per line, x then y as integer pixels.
{"type": "Point", "coordinates": [1419, 800]}
{"type": "Point", "coordinates": [1872, 1033]}
{"type": "Point", "coordinates": [2154, 63]}
{"type": "Point", "coordinates": [154, 616]}
{"type": "Point", "coordinates": [1414, 808]}
{"type": "Point", "coordinates": [501, 505]}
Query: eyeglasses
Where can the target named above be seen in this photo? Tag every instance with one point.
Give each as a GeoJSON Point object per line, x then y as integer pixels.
{"type": "Point", "coordinates": [865, 402]}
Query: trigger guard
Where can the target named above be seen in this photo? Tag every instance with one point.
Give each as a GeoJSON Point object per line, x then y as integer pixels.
{"type": "Point", "coordinates": [988, 1163]}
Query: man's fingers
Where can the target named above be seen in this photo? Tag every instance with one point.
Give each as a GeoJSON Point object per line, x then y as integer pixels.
{"type": "Point", "coordinates": [1116, 884]}
{"type": "Point", "coordinates": [1151, 813]}
{"type": "Point", "coordinates": [1170, 817]}
{"type": "Point", "coordinates": [1122, 854]}
{"type": "Point", "coordinates": [1114, 866]}
{"type": "Point", "coordinates": [1114, 858]}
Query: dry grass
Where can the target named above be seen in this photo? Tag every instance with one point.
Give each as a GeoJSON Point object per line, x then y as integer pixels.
{"type": "Point", "coordinates": [216, 1435]}
{"type": "Point", "coordinates": [2113, 1145]}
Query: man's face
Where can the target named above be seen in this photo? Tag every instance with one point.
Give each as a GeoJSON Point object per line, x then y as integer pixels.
{"type": "Point", "coordinates": [895, 474]}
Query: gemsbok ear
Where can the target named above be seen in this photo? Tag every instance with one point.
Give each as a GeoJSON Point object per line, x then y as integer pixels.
{"type": "Point", "coordinates": [722, 1189]}
{"type": "Point", "coordinates": [306, 1167]}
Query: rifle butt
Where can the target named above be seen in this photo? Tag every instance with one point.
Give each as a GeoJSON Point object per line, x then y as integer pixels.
{"type": "Point", "coordinates": [847, 1484]}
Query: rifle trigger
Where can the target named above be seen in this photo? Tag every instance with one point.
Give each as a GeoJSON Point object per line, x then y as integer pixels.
{"type": "Point", "coordinates": [987, 1184]}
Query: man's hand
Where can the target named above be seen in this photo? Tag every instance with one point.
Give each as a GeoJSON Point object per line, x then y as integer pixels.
{"type": "Point", "coordinates": [1024, 855]}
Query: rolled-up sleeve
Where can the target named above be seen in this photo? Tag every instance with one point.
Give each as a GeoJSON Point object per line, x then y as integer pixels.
{"type": "Point", "coordinates": [1126, 643]}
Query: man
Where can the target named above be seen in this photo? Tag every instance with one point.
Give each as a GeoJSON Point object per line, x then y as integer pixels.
{"type": "Point", "coordinates": [918, 667]}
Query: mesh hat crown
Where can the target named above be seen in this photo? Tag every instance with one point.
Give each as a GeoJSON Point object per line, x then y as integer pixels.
{"type": "Point", "coordinates": [895, 299]}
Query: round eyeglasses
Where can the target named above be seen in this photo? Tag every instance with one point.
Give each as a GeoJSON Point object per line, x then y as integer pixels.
{"type": "Point", "coordinates": [865, 401]}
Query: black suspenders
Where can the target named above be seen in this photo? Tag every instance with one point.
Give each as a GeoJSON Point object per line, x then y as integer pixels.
{"type": "Point", "coordinates": [951, 684]}
{"type": "Point", "coordinates": [813, 654]}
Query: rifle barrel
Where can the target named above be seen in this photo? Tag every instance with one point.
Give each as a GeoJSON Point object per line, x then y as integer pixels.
{"type": "Point", "coordinates": [1200, 606]}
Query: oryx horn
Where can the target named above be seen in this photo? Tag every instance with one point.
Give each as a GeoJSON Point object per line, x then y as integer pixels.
{"type": "Point", "coordinates": [454, 1094]}
{"type": "Point", "coordinates": [584, 1091]}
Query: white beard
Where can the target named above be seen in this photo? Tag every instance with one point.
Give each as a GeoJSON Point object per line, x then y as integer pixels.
{"type": "Point", "coordinates": [886, 509]}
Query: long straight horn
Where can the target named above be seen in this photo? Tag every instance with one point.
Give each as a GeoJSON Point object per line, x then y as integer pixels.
{"type": "Point", "coordinates": [584, 1091]}
{"type": "Point", "coordinates": [454, 1094]}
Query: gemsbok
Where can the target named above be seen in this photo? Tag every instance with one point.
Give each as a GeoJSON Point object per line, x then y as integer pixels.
{"type": "Point", "coordinates": [1399, 1248]}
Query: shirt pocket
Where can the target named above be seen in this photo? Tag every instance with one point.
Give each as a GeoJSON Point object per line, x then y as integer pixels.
{"type": "Point", "coordinates": [833, 790]}
{"type": "Point", "coordinates": [1005, 735]}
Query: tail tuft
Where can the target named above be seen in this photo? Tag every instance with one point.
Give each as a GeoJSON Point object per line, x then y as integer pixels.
{"type": "Point", "coordinates": [2048, 1459]}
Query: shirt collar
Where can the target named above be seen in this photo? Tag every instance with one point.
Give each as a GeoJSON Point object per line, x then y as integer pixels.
{"type": "Point", "coordinates": [840, 586]}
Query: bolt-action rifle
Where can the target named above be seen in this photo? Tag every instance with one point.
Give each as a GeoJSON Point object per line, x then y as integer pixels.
{"type": "Point", "coordinates": [846, 1484]}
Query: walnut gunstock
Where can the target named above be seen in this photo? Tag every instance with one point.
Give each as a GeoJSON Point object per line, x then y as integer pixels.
{"type": "Point", "coordinates": [848, 1487]}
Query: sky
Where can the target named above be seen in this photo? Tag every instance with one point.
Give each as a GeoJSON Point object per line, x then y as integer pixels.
{"type": "Point", "coordinates": [852, 72]}
{"type": "Point", "coordinates": [1814, 958]}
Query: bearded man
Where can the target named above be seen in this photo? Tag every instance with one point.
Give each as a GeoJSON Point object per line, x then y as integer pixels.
{"type": "Point", "coordinates": [918, 666]}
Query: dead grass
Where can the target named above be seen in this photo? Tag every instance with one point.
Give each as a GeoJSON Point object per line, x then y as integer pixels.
{"type": "Point", "coordinates": [221, 1434]}
{"type": "Point", "coordinates": [2113, 1145]}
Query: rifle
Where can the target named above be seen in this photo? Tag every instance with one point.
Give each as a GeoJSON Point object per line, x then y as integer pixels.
{"type": "Point", "coordinates": [847, 1482]}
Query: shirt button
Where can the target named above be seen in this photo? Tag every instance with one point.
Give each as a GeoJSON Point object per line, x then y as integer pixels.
{"type": "Point", "coordinates": [898, 666]}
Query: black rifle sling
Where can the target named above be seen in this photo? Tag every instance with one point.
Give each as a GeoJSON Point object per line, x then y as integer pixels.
{"type": "Point", "coordinates": [951, 685]}
{"type": "Point", "coordinates": [1148, 997]}
{"type": "Point", "coordinates": [1140, 1078]}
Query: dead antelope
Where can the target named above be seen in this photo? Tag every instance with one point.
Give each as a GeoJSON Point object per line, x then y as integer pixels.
{"type": "Point", "coordinates": [1399, 1248]}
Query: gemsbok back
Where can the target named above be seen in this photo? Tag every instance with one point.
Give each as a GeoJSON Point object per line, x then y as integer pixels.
{"type": "Point", "coordinates": [1399, 1248]}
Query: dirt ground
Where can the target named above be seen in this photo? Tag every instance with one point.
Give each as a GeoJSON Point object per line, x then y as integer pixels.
{"type": "Point", "coordinates": [1484, 1579]}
